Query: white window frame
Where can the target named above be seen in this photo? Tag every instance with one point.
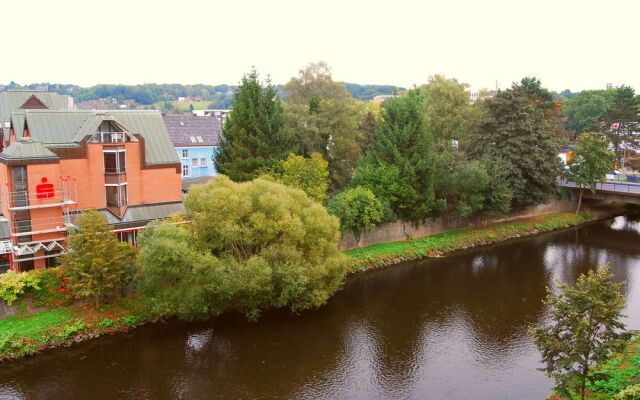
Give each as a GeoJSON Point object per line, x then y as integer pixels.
{"type": "Point", "coordinates": [188, 174]}
{"type": "Point", "coordinates": [203, 162]}
{"type": "Point", "coordinates": [194, 163]}
{"type": "Point", "coordinates": [118, 169]}
{"type": "Point", "coordinates": [126, 194]}
{"type": "Point", "coordinates": [185, 153]}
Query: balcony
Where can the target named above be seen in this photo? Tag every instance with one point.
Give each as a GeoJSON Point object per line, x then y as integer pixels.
{"type": "Point", "coordinates": [36, 226]}
{"type": "Point", "coordinates": [108, 137]}
{"type": "Point", "coordinates": [25, 200]}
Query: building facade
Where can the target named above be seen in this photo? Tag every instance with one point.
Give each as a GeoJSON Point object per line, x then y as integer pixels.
{"type": "Point", "coordinates": [58, 163]}
{"type": "Point", "coordinates": [196, 143]}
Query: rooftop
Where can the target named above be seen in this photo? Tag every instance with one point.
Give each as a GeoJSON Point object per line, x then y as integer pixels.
{"type": "Point", "coordinates": [189, 130]}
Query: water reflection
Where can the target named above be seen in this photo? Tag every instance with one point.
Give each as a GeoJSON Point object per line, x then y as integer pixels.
{"type": "Point", "coordinates": [450, 328]}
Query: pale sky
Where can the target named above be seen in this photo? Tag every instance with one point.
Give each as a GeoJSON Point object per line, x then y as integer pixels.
{"type": "Point", "coordinates": [575, 44]}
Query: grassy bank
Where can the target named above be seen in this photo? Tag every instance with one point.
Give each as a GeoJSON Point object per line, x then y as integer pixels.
{"type": "Point", "coordinates": [383, 254]}
{"type": "Point", "coordinates": [63, 326]}
{"type": "Point", "coordinates": [21, 336]}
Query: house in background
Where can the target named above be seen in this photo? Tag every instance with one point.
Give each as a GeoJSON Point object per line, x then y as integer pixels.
{"type": "Point", "coordinates": [219, 114]}
{"type": "Point", "coordinates": [196, 142]}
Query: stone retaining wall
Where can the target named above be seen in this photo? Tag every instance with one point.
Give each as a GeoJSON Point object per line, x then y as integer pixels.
{"type": "Point", "coordinates": [398, 231]}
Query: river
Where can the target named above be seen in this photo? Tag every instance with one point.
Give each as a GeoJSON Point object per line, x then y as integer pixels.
{"type": "Point", "coordinates": [448, 328]}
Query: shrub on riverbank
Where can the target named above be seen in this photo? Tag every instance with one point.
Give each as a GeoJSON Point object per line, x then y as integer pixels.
{"type": "Point", "coordinates": [250, 246]}
{"type": "Point", "coordinates": [47, 287]}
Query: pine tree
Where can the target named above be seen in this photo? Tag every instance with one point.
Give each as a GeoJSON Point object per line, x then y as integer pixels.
{"type": "Point", "coordinates": [513, 132]}
{"type": "Point", "coordinates": [402, 150]}
{"type": "Point", "coordinates": [97, 261]}
{"type": "Point", "coordinates": [253, 136]}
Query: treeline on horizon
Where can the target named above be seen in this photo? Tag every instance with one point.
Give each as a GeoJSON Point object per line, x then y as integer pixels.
{"type": "Point", "coordinates": [219, 96]}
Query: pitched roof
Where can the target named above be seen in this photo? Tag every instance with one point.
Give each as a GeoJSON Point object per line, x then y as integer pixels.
{"type": "Point", "coordinates": [62, 128]}
{"type": "Point", "coordinates": [12, 100]}
{"type": "Point", "coordinates": [190, 130]}
{"type": "Point", "coordinates": [26, 149]}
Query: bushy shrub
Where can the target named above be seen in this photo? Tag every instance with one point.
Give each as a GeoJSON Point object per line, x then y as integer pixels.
{"type": "Point", "coordinates": [14, 284]}
{"type": "Point", "coordinates": [629, 393]}
{"type": "Point", "coordinates": [250, 246]}
{"type": "Point", "coordinates": [358, 209]}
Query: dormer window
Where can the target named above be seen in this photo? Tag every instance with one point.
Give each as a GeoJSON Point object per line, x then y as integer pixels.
{"type": "Point", "coordinates": [109, 132]}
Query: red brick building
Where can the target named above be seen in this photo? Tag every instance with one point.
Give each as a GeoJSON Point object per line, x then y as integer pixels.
{"type": "Point", "coordinates": [60, 162]}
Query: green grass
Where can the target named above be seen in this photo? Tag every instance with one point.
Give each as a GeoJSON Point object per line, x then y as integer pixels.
{"type": "Point", "coordinates": [620, 371]}
{"type": "Point", "coordinates": [33, 326]}
{"type": "Point", "coordinates": [386, 253]}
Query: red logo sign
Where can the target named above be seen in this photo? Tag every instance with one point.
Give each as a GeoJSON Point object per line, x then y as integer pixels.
{"type": "Point", "coordinates": [44, 190]}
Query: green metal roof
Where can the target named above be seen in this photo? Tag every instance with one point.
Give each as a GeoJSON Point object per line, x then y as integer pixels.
{"type": "Point", "coordinates": [12, 100]}
{"type": "Point", "coordinates": [25, 149]}
{"type": "Point", "coordinates": [61, 128]}
{"type": "Point", "coordinates": [144, 213]}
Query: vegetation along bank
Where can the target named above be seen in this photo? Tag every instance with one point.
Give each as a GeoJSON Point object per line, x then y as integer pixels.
{"type": "Point", "coordinates": [63, 326]}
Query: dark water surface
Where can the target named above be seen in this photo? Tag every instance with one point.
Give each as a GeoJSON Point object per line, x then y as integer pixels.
{"type": "Point", "coordinates": [449, 328]}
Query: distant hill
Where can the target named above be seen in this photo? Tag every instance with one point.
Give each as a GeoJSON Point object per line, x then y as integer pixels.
{"type": "Point", "coordinates": [219, 96]}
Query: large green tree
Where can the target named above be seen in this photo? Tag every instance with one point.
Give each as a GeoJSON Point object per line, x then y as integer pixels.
{"type": "Point", "coordinates": [585, 328]}
{"type": "Point", "coordinates": [513, 132]}
{"type": "Point", "coordinates": [254, 138]}
{"type": "Point", "coordinates": [585, 110]}
{"type": "Point", "coordinates": [97, 262]}
{"type": "Point", "coordinates": [449, 114]}
{"type": "Point", "coordinates": [323, 118]}
{"type": "Point", "coordinates": [621, 121]}
{"type": "Point", "coordinates": [591, 162]}
{"type": "Point", "coordinates": [399, 166]}
{"type": "Point", "coordinates": [250, 246]}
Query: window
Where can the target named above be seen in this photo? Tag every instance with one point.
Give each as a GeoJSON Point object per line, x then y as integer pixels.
{"type": "Point", "coordinates": [199, 139]}
{"type": "Point", "coordinates": [51, 262]}
{"type": "Point", "coordinates": [194, 162]}
{"type": "Point", "coordinates": [203, 162]}
{"type": "Point", "coordinates": [185, 170]}
{"type": "Point", "coordinates": [23, 226]}
{"type": "Point", "coordinates": [193, 140]}
{"type": "Point", "coordinates": [19, 175]}
{"type": "Point", "coordinates": [116, 195]}
{"type": "Point", "coordinates": [185, 153]}
{"type": "Point", "coordinates": [114, 161]}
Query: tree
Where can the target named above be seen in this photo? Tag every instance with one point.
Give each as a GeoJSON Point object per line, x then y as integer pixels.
{"type": "Point", "coordinates": [314, 83]}
{"type": "Point", "coordinates": [323, 118]}
{"type": "Point", "coordinates": [513, 132]}
{"type": "Point", "coordinates": [585, 329]}
{"type": "Point", "coordinates": [477, 186]}
{"type": "Point", "coordinates": [97, 261]}
{"type": "Point", "coordinates": [591, 162]}
{"type": "Point", "coordinates": [399, 166]}
{"type": "Point", "coordinates": [357, 208]}
{"type": "Point", "coordinates": [250, 246]}
{"type": "Point", "coordinates": [253, 136]}
{"type": "Point", "coordinates": [449, 114]}
{"type": "Point", "coordinates": [622, 123]}
{"type": "Point", "coordinates": [585, 110]}
{"type": "Point", "coordinates": [309, 174]}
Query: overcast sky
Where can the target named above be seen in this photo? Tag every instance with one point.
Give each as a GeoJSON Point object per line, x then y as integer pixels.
{"type": "Point", "coordinates": [575, 44]}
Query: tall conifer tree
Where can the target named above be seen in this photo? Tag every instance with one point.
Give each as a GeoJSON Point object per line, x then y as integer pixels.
{"type": "Point", "coordinates": [253, 136]}
{"type": "Point", "coordinates": [402, 151]}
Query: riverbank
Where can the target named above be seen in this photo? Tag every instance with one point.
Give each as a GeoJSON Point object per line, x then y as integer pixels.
{"type": "Point", "coordinates": [22, 336]}
{"type": "Point", "coordinates": [385, 254]}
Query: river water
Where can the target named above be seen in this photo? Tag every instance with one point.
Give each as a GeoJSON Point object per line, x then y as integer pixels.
{"type": "Point", "coordinates": [448, 328]}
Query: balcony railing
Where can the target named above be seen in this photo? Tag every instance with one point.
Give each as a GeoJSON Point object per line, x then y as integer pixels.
{"type": "Point", "coordinates": [26, 200]}
{"type": "Point", "coordinates": [108, 137]}
{"type": "Point", "coordinates": [36, 226]}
